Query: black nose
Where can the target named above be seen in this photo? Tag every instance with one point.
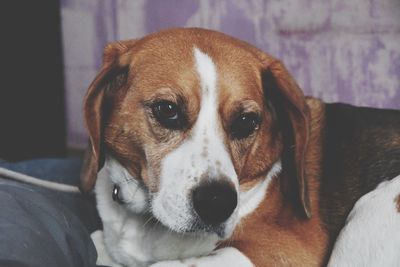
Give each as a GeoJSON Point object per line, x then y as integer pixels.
{"type": "Point", "coordinates": [214, 202]}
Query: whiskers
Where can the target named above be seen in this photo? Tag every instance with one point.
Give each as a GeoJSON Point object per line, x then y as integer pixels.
{"type": "Point", "coordinates": [150, 219]}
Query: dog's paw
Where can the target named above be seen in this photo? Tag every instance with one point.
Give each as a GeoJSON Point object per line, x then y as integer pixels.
{"type": "Point", "coordinates": [103, 257]}
{"type": "Point", "coordinates": [222, 257]}
{"type": "Point", "coordinates": [170, 264]}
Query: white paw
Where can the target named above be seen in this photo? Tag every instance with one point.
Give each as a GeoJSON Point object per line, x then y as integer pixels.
{"type": "Point", "coordinates": [222, 257]}
{"type": "Point", "coordinates": [103, 257]}
{"type": "Point", "coordinates": [170, 264]}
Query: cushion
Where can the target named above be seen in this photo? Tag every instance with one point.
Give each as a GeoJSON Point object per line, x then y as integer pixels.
{"type": "Point", "coordinates": [43, 227]}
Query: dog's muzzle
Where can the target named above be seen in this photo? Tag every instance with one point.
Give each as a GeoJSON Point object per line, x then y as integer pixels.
{"type": "Point", "coordinates": [214, 202]}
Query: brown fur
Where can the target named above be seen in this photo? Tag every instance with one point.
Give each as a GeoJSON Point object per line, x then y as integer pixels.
{"type": "Point", "coordinates": [274, 235]}
{"type": "Point", "coordinates": [360, 150]}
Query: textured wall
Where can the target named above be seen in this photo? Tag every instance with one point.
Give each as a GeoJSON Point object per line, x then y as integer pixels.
{"type": "Point", "coordinates": [338, 50]}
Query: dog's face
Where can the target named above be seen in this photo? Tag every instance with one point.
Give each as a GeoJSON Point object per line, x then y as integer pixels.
{"type": "Point", "coordinates": [186, 114]}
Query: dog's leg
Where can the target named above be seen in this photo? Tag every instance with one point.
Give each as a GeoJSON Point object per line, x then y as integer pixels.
{"type": "Point", "coordinates": [102, 255]}
{"type": "Point", "coordinates": [371, 236]}
{"type": "Point", "coordinates": [222, 257]}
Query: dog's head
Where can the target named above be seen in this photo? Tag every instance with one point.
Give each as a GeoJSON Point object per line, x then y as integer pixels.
{"type": "Point", "coordinates": [198, 120]}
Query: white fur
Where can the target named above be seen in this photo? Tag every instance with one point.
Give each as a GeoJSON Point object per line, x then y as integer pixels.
{"type": "Point", "coordinates": [249, 200]}
{"type": "Point", "coordinates": [202, 156]}
{"type": "Point", "coordinates": [131, 238]}
{"type": "Point", "coordinates": [371, 236]}
{"type": "Point", "coordinates": [103, 258]}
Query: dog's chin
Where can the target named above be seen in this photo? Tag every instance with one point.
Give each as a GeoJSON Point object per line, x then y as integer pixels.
{"type": "Point", "coordinates": [199, 229]}
{"type": "Point", "coordinates": [182, 219]}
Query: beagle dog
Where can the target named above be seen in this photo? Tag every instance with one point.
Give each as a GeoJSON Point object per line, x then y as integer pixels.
{"type": "Point", "coordinates": [205, 152]}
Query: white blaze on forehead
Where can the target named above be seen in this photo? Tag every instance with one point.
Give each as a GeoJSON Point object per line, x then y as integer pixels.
{"type": "Point", "coordinates": [202, 156]}
{"type": "Point", "coordinates": [207, 132]}
{"type": "Point", "coordinates": [208, 75]}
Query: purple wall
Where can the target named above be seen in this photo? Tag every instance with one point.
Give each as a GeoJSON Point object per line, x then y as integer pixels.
{"type": "Point", "coordinates": [339, 50]}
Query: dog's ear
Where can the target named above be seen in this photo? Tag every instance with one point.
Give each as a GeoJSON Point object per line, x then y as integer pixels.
{"type": "Point", "coordinates": [98, 105]}
{"type": "Point", "coordinates": [293, 119]}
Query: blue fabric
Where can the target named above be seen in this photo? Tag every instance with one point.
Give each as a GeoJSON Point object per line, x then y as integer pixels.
{"type": "Point", "coordinates": [41, 227]}
{"type": "Point", "coordinates": [58, 170]}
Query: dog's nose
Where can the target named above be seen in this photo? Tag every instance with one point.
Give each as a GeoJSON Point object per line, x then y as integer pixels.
{"type": "Point", "coordinates": [214, 202]}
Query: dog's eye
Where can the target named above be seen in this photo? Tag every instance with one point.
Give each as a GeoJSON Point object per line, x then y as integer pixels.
{"type": "Point", "coordinates": [168, 114]}
{"type": "Point", "coordinates": [244, 125]}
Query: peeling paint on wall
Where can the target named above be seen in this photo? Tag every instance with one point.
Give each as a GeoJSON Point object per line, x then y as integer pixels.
{"type": "Point", "coordinates": [340, 50]}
